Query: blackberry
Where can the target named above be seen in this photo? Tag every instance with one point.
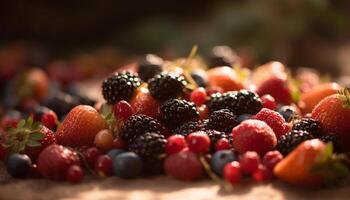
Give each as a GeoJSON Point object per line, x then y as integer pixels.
{"type": "Point", "coordinates": [222, 56]}
{"type": "Point", "coordinates": [241, 102]}
{"type": "Point", "coordinates": [138, 125]}
{"type": "Point", "coordinates": [166, 86]}
{"type": "Point", "coordinates": [222, 120]}
{"type": "Point", "coordinates": [188, 127]}
{"type": "Point", "coordinates": [153, 166]}
{"type": "Point", "coordinates": [149, 66]}
{"type": "Point", "coordinates": [332, 138]}
{"type": "Point", "coordinates": [291, 140]}
{"type": "Point", "coordinates": [309, 125]}
{"type": "Point", "coordinates": [120, 86]}
{"type": "Point", "coordinates": [148, 145]}
{"type": "Point", "coordinates": [216, 135]}
{"type": "Point", "coordinates": [175, 112]}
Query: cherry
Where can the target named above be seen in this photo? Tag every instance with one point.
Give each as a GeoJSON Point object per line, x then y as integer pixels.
{"type": "Point", "coordinates": [198, 96]}
{"type": "Point", "coordinates": [103, 166]}
{"type": "Point", "coordinates": [122, 110]}
{"type": "Point", "coordinates": [198, 142]}
{"type": "Point", "coordinates": [222, 144]}
{"type": "Point", "coordinates": [203, 112]}
{"type": "Point", "coordinates": [250, 161]}
{"type": "Point", "coordinates": [104, 139]}
{"type": "Point", "coordinates": [74, 174]}
{"type": "Point", "coordinates": [233, 172]}
{"type": "Point", "coordinates": [91, 155]}
{"type": "Point", "coordinates": [269, 102]}
{"type": "Point", "coordinates": [262, 174]}
{"type": "Point", "coordinates": [49, 119]}
{"type": "Point", "coordinates": [175, 143]}
{"type": "Point", "coordinates": [271, 159]}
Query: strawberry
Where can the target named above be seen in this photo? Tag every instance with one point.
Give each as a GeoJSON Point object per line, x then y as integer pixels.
{"type": "Point", "coordinates": [311, 164]}
{"type": "Point", "coordinates": [29, 137]}
{"type": "Point", "coordinates": [274, 120]}
{"type": "Point", "coordinates": [333, 113]}
{"type": "Point", "coordinates": [80, 127]}
{"type": "Point", "coordinates": [55, 160]}
{"type": "Point", "coordinates": [278, 88]}
{"type": "Point", "coordinates": [225, 78]}
{"type": "Point", "coordinates": [268, 70]}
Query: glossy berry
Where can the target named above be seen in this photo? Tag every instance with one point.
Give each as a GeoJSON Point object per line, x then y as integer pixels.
{"type": "Point", "coordinates": [233, 172]}
{"type": "Point", "coordinates": [198, 142]}
{"type": "Point", "coordinates": [203, 112]}
{"type": "Point", "coordinates": [18, 165]}
{"type": "Point", "coordinates": [49, 120]}
{"type": "Point", "coordinates": [127, 165]}
{"type": "Point", "coordinates": [91, 155]}
{"type": "Point", "coordinates": [199, 78]}
{"type": "Point", "coordinates": [249, 161]}
{"type": "Point", "coordinates": [122, 110]}
{"type": "Point", "coordinates": [222, 144]}
{"type": "Point", "coordinates": [114, 152]}
{"type": "Point", "coordinates": [104, 139]}
{"type": "Point", "coordinates": [199, 96]}
{"type": "Point", "coordinates": [103, 166]}
{"type": "Point", "coordinates": [220, 159]}
{"type": "Point", "coordinates": [271, 159]}
{"type": "Point", "coordinates": [269, 102]}
{"type": "Point", "coordinates": [74, 174]}
{"type": "Point", "coordinates": [175, 143]}
{"type": "Point", "coordinates": [262, 174]}
{"type": "Point", "coordinates": [118, 143]}
{"type": "Point", "coordinates": [287, 112]}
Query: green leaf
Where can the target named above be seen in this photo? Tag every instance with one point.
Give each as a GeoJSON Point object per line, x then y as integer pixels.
{"type": "Point", "coordinates": [36, 125]}
{"type": "Point", "coordinates": [29, 122]}
{"type": "Point", "coordinates": [36, 136]}
{"type": "Point", "coordinates": [33, 143]}
{"type": "Point", "coordinates": [106, 109]}
{"type": "Point", "coordinates": [21, 123]}
{"type": "Point", "coordinates": [327, 153]}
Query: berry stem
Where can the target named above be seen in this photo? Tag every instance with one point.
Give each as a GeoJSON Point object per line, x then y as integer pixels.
{"type": "Point", "coordinates": [86, 165]}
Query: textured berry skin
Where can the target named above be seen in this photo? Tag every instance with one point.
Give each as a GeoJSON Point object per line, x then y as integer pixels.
{"type": "Point", "coordinates": [271, 159]}
{"type": "Point", "coordinates": [220, 159]}
{"type": "Point", "coordinates": [18, 165]}
{"type": "Point", "coordinates": [149, 66]}
{"type": "Point", "coordinates": [183, 165]}
{"type": "Point", "coordinates": [253, 135]}
{"type": "Point", "coordinates": [74, 174]}
{"type": "Point", "coordinates": [120, 86]}
{"type": "Point", "coordinates": [138, 125]}
{"type": "Point", "coordinates": [222, 120]}
{"type": "Point", "coordinates": [175, 143]}
{"type": "Point", "coordinates": [80, 127]}
{"type": "Point", "coordinates": [148, 145]}
{"type": "Point", "coordinates": [215, 136]}
{"type": "Point", "coordinates": [198, 142]}
{"type": "Point", "coordinates": [241, 102]}
{"type": "Point", "coordinates": [262, 174]}
{"type": "Point", "coordinates": [103, 166]}
{"type": "Point", "coordinates": [278, 88]}
{"type": "Point", "coordinates": [175, 112]}
{"type": "Point", "coordinates": [274, 120]}
{"type": "Point", "coordinates": [309, 125]}
{"type": "Point", "coordinates": [249, 161]}
{"type": "Point", "coordinates": [122, 110]}
{"type": "Point", "coordinates": [269, 102]}
{"type": "Point", "coordinates": [55, 160]}
{"type": "Point", "coordinates": [189, 127]}
{"type": "Point", "coordinates": [166, 86]}
{"type": "Point", "coordinates": [291, 140]}
{"type": "Point", "coordinates": [127, 165]}
{"type": "Point", "coordinates": [233, 172]}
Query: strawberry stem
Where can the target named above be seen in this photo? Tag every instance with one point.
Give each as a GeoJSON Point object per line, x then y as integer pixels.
{"type": "Point", "coordinates": [345, 97]}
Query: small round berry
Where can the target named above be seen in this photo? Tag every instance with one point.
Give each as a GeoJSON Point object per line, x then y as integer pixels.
{"type": "Point", "coordinates": [249, 161]}
{"type": "Point", "coordinates": [91, 155]}
{"type": "Point", "coordinates": [127, 165]}
{"type": "Point", "coordinates": [222, 144]}
{"type": "Point", "coordinates": [18, 165]}
{"type": "Point", "coordinates": [118, 143]}
{"type": "Point", "coordinates": [103, 166]}
{"type": "Point", "coordinates": [203, 112]}
{"type": "Point", "coordinates": [233, 172]}
{"type": "Point", "coordinates": [3, 152]}
{"type": "Point", "coordinates": [244, 117]}
{"type": "Point", "coordinates": [269, 102]}
{"type": "Point", "coordinates": [175, 143]}
{"type": "Point", "coordinates": [199, 96]}
{"type": "Point", "coordinates": [49, 120]}
{"type": "Point", "coordinates": [122, 110]}
{"type": "Point", "coordinates": [104, 139]}
{"type": "Point", "coordinates": [74, 174]}
{"type": "Point", "coordinates": [198, 142]}
{"type": "Point", "coordinates": [271, 159]}
{"type": "Point", "coordinates": [114, 152]}
{"type": "Point", "coordinates": [262, 174]}
{"type": "Point", "coordinates": [220, 159]}
{"type": "Point", "coordinates": [287, 112]}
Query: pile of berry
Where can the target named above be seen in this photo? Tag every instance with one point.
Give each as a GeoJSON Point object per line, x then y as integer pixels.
{"type": "Point", "coordinates": [187, 120]}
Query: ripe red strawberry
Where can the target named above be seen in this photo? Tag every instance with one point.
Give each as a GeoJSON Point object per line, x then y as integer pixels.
{"type": "Point", "coordinates": [274, 120]}
{"type": "Point", "coordinates": [183, 165]}
{"type": "Point", "coordinates": [333, 113]}
{"type": "Point", "coordinates": [54, 162]}
{"type": "Point", "coordinates": [80, 127]}
{"type": "Point", "coordinates": [278, 88]}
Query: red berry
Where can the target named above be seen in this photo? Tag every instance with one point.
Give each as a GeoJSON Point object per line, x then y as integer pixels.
{"type": "Point", "coordinates": [198, 142]}
{"type": "Point", "coordinates": [104, 139]}
{"type": "Point", "coordinates": [271, 159]}
{"type": "Point", "coordinates": [175, 143]}
{"type": "Point", "coordinates": [49, 120]}
{"type": "Point", "coordinates": [211, 91]}
{"type": "Point", "coordinates": [274, 120]}
{"type": "Point", "coordinates": [3, 152]}
{"type": "Point", "coordinates": [269, 102]}
{"type": "Point", "coordinates": [118, 143]}
{"type": "Point", "coordinates": [198, 96]}
{"type": "Point", "coordinates": [103, 166]}
{"type": "Point", "coordinates": [222, 144]}
{"type": "Point", "coordinates": [262, 174]}
{"type": "Point", "coordinates": [233, 172]}
{"type": "Point", "coordinates": [203, 112]}
{"type": "Point", "coordinates": [91, 155]}
{"type": "Point", "coordinates": [122, 110]}
{"type": "Point", "coordinates": [34, 171]}
{"type": "Point", "coordinates": [74, 174]}
{"type": "Point", "coordinates": [250, 161]}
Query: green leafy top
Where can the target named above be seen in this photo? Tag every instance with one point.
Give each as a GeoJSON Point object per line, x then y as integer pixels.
{"type": "Point", "coordinates": [345, 97]}
{"type": "Point", "coordinates": [107, 114]}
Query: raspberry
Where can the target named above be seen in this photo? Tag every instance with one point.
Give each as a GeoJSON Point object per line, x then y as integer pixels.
{"type": "Point", "coordinates": [249, 161]}
{"type": "Point", "coordinates": [198, 96]}
{"type": "Point", "coordinates": [274, 120]}
{"type": "Point", "coordinates": [233, 172]}
{"type": "Point", "coordinates": [183, 165]}
{"type": "Point", "coordinates": [175, 143]}
{"type": "Point", "coordinates": [198, 142]}
{"type": "Point", "coordinates": [271, 159]}
{"type": "Point", "coordinates": [269, 102]}
{"type": "Point", "coordinates": [262, 174]}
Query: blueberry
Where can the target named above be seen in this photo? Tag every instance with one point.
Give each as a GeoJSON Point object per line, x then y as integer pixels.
{"type": "Point", "coordinates": [18, 165]}
{"type": "Point", "coordinates": [243, 117]}
{"type": "Point", "coordinates": [287, 112]}
{"type": "Point", "coordinates": [127, 165]}
{"type": "Point", "coordinates": [220, 159]}
{"type": "Point", "coordinates": [199, 79]}
{"type": "Point", "coordinates": [114, 152]}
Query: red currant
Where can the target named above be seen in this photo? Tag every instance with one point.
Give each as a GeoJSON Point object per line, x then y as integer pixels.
{"type": "Point", "coordinates": [233, 172]}
{"type": "Point", "coordinates": [198, 142]}
{"type": "Point", "coordinates": [104, 139]}
{"type": "Point", "coordinates": [262, 174]}
{"type": "Point", "coordinates": [103, 166]}
{"type": "Point", "coordinates": [118, 143]}
{"type": "Point", "coordinates": [211, 91]}
{"type": "Point", "coordinates": [198, 96]}
{"type": "Point", "coordinates": [269, 102]}
{"type": "Point", "coordinates": [74, 174]}
{"type": "Point", "coordinates": [271, 159]}
{"type": "Point", "coordinates": [91, 155]}
{"type": "Point", "coordinates": [250, 161]}
{"type": "Point", "coordinates": [175, 143]}
{"type": "Point", "coordinates": [222, 144]}
{"type": "Point", "coordinates": [203, 112]}
{"type": "Point", "coordinates": [49, 120]}
{"type": "Point", "coordinates": [122, 110]}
